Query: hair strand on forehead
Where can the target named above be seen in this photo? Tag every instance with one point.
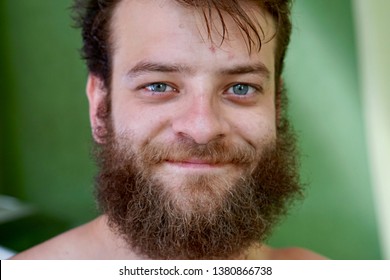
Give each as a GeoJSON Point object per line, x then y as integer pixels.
{"type": "Point", "coordinates": [94, 18]}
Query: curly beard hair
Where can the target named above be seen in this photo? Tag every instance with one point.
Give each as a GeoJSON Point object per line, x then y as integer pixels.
{"type": "Point", "coordinates": [206, 217]}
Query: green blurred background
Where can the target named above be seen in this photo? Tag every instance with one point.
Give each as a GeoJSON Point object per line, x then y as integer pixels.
{"type": "Point", "coordinates": [45, 135]}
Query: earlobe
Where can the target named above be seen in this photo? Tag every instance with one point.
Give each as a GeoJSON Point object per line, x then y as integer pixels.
{"type": "Point", "coordinates": [97, 98]}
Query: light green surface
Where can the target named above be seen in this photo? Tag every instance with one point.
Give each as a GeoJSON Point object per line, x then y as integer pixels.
{"type": "Point", "coordinates": [50, 165]}
{"type": "Point", "coordinates": [338, 218]}
{"type": "Point", "coordinates": [373, 36]}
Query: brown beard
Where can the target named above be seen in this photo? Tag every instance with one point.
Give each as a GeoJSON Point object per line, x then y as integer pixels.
{"type": "Point", "coordinates": [208, 217]}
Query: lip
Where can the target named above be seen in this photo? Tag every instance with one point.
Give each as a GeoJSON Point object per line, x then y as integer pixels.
{"type": "Point", "coordinates": [194, 163]}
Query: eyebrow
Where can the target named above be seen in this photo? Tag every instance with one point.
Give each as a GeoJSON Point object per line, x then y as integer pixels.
{"type": "Point", "coordinates": [143, 67]}
{"type": "Point", "coordinates": [257, 68]}
{"type": "Point", "coordinates": [146, 67]}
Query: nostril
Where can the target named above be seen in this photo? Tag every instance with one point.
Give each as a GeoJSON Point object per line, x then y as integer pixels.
{"type": "Point", "coordinates": [201, 121]}
{"type": "Point", "coordinates": [201, 132]}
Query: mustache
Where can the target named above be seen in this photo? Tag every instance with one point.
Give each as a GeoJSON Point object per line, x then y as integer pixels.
{"type": "Point", "coordinates": [215, 152]}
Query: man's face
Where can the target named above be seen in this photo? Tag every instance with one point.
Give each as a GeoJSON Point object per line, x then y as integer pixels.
{"type": "Point", "coordinates": [171, 84]}
{"type": "Point", "coordinates": [191, 119]}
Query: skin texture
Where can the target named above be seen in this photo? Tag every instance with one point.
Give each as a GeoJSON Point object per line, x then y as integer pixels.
{"type": "Point", "coordinates": [175, 82]}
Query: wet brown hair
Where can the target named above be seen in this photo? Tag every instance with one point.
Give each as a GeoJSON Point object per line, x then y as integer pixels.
{"type": "Point", "coordinates": [94, 16]}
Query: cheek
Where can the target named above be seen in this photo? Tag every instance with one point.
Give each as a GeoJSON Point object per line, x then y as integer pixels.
{"type": "Point", "coordinates": [139, 122]}
{"type": "Point", "coordinates": [256, 128]}
{"type": "Point", "coordinates": [123, 117]}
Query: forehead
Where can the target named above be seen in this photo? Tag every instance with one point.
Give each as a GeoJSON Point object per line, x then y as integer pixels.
{"type": "Point", "coordinates": [167, 27]}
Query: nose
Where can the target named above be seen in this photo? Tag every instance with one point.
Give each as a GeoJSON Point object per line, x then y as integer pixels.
{"type": "Point", "coordinates": [201, 119]}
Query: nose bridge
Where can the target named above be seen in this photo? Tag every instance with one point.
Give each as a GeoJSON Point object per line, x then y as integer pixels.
{"type": "Point", "coordinates": [201, 119]}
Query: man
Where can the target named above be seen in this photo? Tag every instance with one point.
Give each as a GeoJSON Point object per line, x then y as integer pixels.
{"type": "Point", "coordinates": [196, 158]}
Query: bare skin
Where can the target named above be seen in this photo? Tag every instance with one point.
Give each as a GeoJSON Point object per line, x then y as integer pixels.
{"type": "Point", "coordinates": [95, 241]}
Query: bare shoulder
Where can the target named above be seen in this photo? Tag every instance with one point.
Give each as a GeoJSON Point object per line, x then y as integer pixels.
{"type": "Point", "coordinates": [294, 253]}
{"type": "Point", "coordinates": [72, 244]}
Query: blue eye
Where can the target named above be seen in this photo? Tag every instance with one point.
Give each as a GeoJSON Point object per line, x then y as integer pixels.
{"type": "Point", "coordinates": [241, 89]}
{"type": "Point", "coordinates": [159, 87]}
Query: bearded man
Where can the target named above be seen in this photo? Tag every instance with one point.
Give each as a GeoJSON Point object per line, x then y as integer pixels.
{"type": "Point", "coordinates": [196, 157]}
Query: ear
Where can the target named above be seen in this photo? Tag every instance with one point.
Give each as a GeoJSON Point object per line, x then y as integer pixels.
{"type": "Point", "coordinates": [97, 98]}
{"type": "Point", "coordinates": [278, 101]}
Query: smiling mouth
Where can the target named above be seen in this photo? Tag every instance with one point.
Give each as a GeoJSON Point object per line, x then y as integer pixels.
{"type": "Point", "coordinates": [195, 163]}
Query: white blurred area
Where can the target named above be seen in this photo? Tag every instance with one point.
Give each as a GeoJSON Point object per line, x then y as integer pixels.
{"type": "Point", "coordinates": [373, 38]}
{"type": "Point", "coordinates": [5, 253]}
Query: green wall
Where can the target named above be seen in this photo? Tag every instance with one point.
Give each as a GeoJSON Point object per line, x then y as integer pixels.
{"type": "Point", "coordinates": [47, 138]}
{"type": "Point", "coordinates": [45, 134]}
